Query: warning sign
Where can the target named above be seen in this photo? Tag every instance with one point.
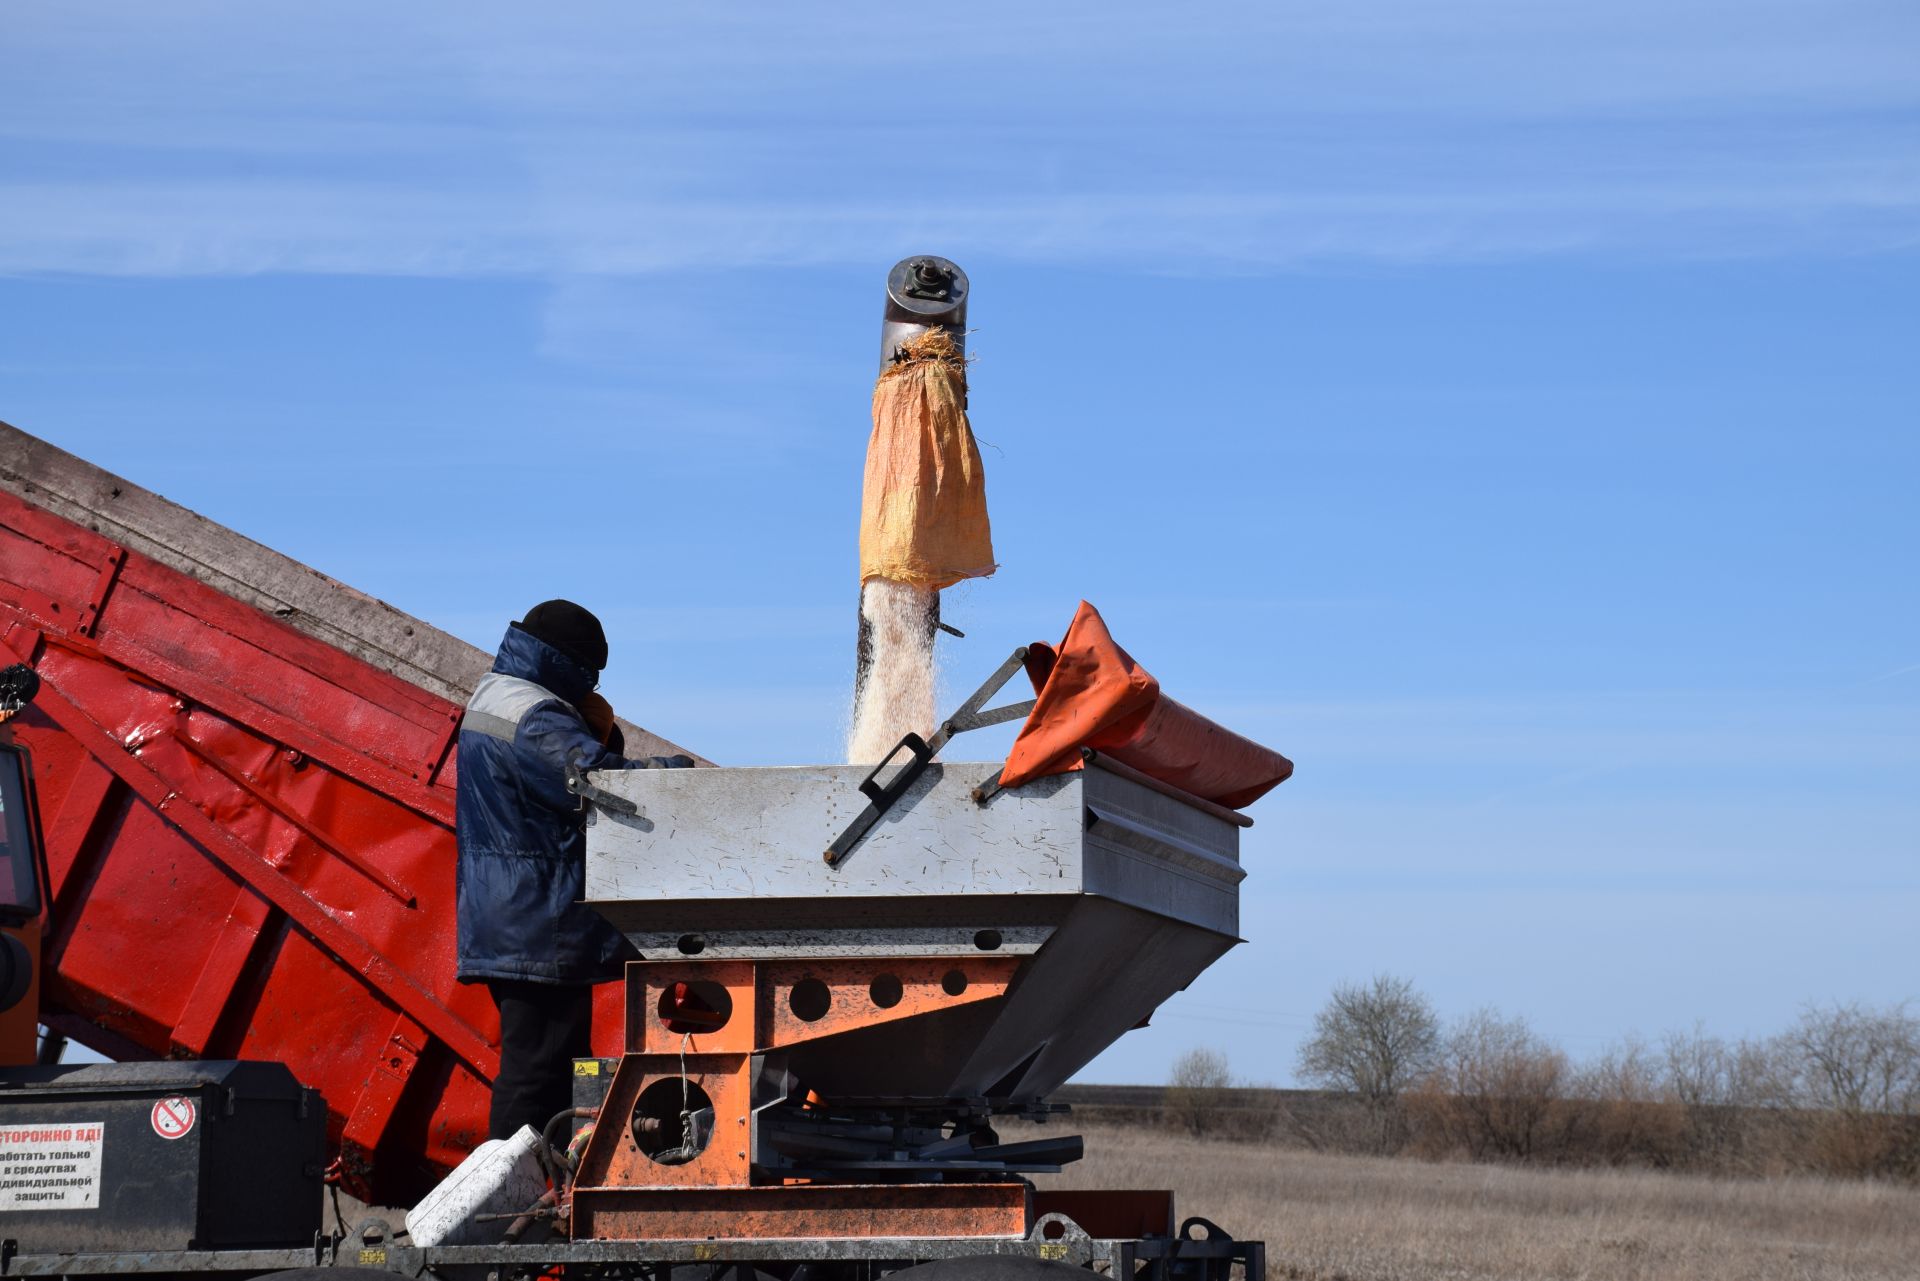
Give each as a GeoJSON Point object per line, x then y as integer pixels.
{"type": "Point", "coordinates": [51, 1167]}
{"type": "Point", "coordinates": [172, 1118]}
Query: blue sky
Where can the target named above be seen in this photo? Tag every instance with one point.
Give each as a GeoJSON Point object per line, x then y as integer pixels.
{"type": "Point", "coordinates": [1507, 410]}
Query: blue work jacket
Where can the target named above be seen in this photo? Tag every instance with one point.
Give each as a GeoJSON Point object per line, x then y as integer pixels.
{"type": "Point", "coordinates": [521, 834]}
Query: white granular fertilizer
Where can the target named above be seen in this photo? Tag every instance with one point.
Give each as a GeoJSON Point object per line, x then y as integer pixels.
{"type": "Point", "coordinates": [897, 694]}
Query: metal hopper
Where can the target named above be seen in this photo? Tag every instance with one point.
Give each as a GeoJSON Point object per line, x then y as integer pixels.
{"type": "Point", "coordinates": [1107, 891]}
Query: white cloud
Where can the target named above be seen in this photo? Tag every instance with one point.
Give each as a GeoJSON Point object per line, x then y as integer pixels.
{"type": "Point", "coordinates": [221, 227]}
{"type": "Point", "coordinates": [490, 141]}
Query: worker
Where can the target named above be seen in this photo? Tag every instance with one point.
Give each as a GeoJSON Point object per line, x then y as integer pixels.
{"type": "Point", "coordinates": [520, 879]}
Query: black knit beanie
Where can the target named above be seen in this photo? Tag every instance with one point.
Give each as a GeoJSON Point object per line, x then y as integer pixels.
{"type": "Point", "coordinates": [569, 628]}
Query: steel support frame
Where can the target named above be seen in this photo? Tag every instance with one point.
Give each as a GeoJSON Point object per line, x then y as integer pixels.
{"type": "Point", "coordinates": [623, 1193]}
{"type": "Point", "coordinates": [1053, 1239]}
{"type": "Point", "coordinates": [1184, 1259]}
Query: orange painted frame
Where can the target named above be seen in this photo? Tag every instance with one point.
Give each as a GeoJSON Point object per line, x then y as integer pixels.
{"type": "Point", "coordinates": [623, 1193]}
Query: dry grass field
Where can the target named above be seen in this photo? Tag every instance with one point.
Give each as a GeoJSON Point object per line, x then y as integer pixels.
{"type": "Point", "coordinates": [1347, 1218]}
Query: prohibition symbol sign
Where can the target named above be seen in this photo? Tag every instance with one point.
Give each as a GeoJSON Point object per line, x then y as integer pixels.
{"type": "Point", "coordinates": [173, 1117]}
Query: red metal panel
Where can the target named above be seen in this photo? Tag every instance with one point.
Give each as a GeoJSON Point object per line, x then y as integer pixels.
{"type": "Point", "coordinates": [235, 951]}
{"type": "Point", "coordinates": [1116, 1213]}
{"type": "Point", "coordinates": [250, 848]}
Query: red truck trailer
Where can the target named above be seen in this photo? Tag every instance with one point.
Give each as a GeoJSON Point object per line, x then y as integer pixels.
{"type": "Point", "coordinates": [245, 776]}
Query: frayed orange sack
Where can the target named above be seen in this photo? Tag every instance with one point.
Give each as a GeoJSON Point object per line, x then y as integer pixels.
{"type": "Point", "coordinates": [923, 510]}
{"type": "Point", "coordinates": [1092, 694]}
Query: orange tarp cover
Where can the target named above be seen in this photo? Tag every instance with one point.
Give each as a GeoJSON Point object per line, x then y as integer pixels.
{"type": "Point", "coordinates": [923, 507]}
{"type": "Point", "coordinates": [1092, 694]}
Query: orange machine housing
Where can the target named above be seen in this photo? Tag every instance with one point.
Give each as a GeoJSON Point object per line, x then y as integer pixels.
{"type": "Point", "coordinates": [746, 1008]}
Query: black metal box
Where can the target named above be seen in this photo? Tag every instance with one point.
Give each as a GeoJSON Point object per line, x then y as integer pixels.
{"type": "Point", "coordinates": [159, 1156]}
{"type": "Point", "coordinates": [591, 1077]}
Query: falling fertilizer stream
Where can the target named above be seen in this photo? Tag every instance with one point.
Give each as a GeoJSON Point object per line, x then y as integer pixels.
{"type": "Point", "coordinates": [897, 693]}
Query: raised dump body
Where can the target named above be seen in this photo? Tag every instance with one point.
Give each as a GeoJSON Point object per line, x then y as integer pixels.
{"type": "Point", "coordinates": [245, 771]}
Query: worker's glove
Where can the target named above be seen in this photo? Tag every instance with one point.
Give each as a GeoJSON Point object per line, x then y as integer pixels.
{"type": "Point", "coordinates": [676, 761]}
{"type": "Point", "coordinates": [597, 712]}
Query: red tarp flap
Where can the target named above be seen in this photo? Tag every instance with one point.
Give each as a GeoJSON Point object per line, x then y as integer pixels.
{"type": "Point", "coordinates": [1092, 694]}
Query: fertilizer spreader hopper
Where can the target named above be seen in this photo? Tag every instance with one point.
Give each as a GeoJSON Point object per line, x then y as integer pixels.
{"type": "Point", "coordinates": [839, 1046]}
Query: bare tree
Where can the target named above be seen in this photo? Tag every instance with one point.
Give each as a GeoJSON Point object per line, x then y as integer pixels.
{"type": "Point", "coordinates": [1702, 1071]}
{"type": "Point", "coordinates": [1852, 1076]}
{"type": "Point", "coordinates": [1624, 1111]}
{"type": "Point", "coordinates": [1373, 1040]}
{"type": "Point", "coordinates": [1199, 1093]}
{"type": "Point", "coordinates": [1717, 1085]}
{"type": "Point", "coordinates": [1852, 1058]}
{"type": "Point", "coordinates": [1498, 1089]}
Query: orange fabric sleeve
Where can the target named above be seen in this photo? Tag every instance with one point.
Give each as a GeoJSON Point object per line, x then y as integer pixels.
{"type": "Point", "coordinates": [923, 505]}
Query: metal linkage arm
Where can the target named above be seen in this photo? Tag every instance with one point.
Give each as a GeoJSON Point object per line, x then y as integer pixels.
{"type": "Point", "coordinates": [590, 795]}
{"type": "Point", "coordinates": [882, 796]}
{"type": "Point", "coordinates": [970, 717]}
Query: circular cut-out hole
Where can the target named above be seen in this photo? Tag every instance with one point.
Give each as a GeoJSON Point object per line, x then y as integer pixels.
{"type": "Point", "coordinates": [953, 983]}
{"type": "Point", "coordinates": [691, 945]}
{"type": "Point", "coordinates": [673, 1120]}
{"type": "Point", "coordinates": [810, 1000]}
{"type": "Point", "coordinates": [987, 940]}
{"type": "Point", "coordinates": [697, 1006]}
{"type": "Point", "coordinates": [885, 990]}
{"type": "Point", "coordinates": [1053, 1229]}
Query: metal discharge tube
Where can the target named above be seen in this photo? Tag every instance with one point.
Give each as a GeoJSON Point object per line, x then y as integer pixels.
{"type": "Point", "coordinates": [924, 293]}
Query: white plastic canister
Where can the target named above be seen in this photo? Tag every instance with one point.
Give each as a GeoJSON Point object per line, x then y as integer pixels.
{"type": "Point", "coordinates": [501, 1176]}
